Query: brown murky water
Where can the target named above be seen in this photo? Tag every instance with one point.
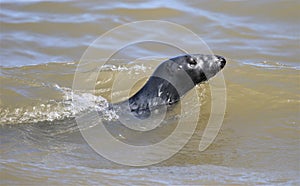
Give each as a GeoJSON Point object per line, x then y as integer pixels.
{"type": "Point", "coordinates": [43, 41]}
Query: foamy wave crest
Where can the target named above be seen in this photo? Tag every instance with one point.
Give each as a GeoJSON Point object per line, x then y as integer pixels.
{"type": "Point", "coordinates": [71, 105]}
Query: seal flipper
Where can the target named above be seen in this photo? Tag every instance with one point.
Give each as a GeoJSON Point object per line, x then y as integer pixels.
{"type": "Point", "coordinates": [140, 111]}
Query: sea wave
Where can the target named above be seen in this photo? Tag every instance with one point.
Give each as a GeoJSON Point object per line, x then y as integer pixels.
{"type": "Point", "coordinates": [36, 93]}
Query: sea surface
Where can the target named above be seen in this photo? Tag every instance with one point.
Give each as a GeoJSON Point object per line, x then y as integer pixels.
{"type": "Point", "coordinates": [42, 44]}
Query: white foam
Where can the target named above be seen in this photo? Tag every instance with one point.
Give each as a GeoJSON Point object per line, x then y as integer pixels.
{"type": "Point", "coordinates": [71, 105]}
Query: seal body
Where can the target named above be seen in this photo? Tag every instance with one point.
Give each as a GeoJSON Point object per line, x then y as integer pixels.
{"type": "Point", "coordinates": [170, 81]}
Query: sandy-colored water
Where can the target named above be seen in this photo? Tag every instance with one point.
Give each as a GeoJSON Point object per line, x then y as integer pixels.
{"type": "Point", "coordinates": [43, 41]}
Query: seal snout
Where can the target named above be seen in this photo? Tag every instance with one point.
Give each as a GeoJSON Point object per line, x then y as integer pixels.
{"type": "Point", "coordinates": [222, 61]}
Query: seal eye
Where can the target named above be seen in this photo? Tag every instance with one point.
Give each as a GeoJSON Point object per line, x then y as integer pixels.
{"type": "Point", "coordinates": [191, 61]}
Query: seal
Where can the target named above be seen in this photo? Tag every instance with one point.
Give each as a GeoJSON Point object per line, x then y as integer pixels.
{"type": "Point", "coordinates": [170, 81]}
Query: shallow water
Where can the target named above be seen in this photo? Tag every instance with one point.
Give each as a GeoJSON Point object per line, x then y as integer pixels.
{"type": "Point", "coordinates": [42, 43]}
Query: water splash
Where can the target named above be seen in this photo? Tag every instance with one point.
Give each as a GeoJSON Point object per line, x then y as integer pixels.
{"type": "Point", "coordinates": [71, 105]}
